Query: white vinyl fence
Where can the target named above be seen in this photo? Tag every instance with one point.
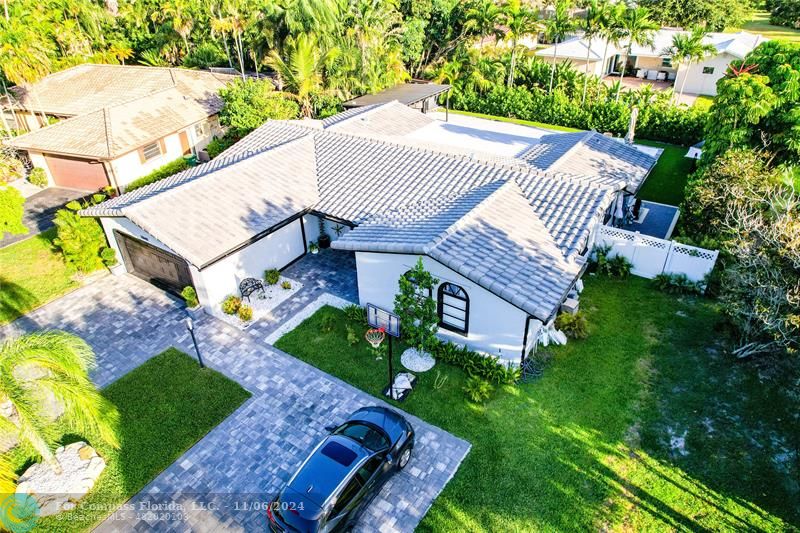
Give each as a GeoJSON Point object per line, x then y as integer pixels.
{"type": "Point", "coordinates": [652, 256]}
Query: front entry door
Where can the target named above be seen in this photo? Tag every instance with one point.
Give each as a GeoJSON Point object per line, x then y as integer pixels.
{"type": "Point", "coordinates": [161, 268]}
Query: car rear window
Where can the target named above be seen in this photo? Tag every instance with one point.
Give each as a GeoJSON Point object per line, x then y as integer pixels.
{"type": "Point", "coordinates": [339, 453]}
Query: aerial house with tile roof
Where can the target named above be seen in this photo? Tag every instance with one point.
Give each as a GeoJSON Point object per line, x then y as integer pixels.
{"type": "Point", "coordinates": [504, 227]}
{"type": "Point", "coordinates": [112, 124]}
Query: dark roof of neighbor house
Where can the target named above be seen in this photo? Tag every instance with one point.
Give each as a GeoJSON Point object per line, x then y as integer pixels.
{"type": "Point", "coordinates": [91, 86]}
{"type": "Point", "coordinates": [405, 93]}
{"type": "Point", "coordinates": [516, 231]}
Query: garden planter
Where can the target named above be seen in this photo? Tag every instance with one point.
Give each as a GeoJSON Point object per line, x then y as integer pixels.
{"type": "Point", "coordinates": [324, 241]}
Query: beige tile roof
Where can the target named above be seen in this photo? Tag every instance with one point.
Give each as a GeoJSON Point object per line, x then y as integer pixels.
{"type": "Point", "coordinates": [88, 87]}
{"type": "Point", "coordinates": [113, 131]}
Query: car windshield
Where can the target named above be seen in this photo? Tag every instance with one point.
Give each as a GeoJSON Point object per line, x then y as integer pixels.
{"type": "Point", "coordinates": [365, 435]}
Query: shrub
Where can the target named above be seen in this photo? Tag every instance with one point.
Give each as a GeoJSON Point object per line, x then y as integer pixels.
{"type": "Point", "coordinates": [38, 177]}
{"type": "Point", "coordinates": [477, 389]}
{"type": "Point", "coordinates": [250, 103]}
{"type": "Point", "coordinates": [272, 276]}
{"type": "Point", "coordinates": [352, 337]}
{"type": "Point", "coordinates": [219, 145]}
{"type": "Point", "coordinates": [676, 284]}
{"type": "Point", "coordinates": [231, 305]}
{"type": "Point", "coordinates": [328, 324]}
{"type": "Point", "coordinates": [245, 313]}
{"type": "Point", "coordinates": [286, 285]}
{"type": "Point", "coordinates": [108, 256]}
{"type": "Point", "coordinates": [356, 313]}
{"type": "Point", "coordinates": [81, 239]}
{"type": "Point", "coordinates": [190, 296]}
{"type": "Point", "coordinates": [473, 363]}
{"type": "Point", "coordinates": [573, 326]}
{"type": "Point", "coordinates": [173, 167]}
{"type": "Point", "coordinates": [205, 55]}
{"type": "Point", "coordinates": [785, 13]}
{"type": "Point", "coordinates": [616, 266]}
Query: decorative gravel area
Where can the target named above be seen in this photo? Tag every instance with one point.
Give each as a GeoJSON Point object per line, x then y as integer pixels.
{"type": "Point", "coordinates": [416, 361]}
{"type": "Point", "coordinates": [262, 304]}
{"type": "Point", "coordinates": [307, 311]}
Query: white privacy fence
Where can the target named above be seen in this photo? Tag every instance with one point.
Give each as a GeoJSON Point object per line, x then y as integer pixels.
{"type": "Point", "coordinates": [652, 256]}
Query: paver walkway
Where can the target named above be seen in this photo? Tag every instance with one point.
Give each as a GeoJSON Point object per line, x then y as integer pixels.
{"type": "Point", "coordinates": [223, 482]}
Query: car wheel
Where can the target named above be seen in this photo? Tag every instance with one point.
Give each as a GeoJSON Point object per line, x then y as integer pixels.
{"type": "Point", "coordinates": [405, 456]}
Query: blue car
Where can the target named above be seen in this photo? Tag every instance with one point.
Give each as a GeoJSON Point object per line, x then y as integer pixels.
{"type": "Point", "coordinates": [343, 473]}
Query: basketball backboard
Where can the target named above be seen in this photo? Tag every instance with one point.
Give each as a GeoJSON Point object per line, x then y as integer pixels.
{"type": "Point", "coordinates": [381, 318]}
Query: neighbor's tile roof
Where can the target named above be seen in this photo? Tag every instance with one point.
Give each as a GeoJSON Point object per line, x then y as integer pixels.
{"type": "Point", "coordinates": [390, 119]}
{"type": "Point", "coordinates": [457, 202]}
{"type": "Point", "coordinates": [113, 131]}
{"type": "Point", "coordinates": [589, 155]}
{"type": "Point", "coordinates": [88, 87]}
{"type": "Point", "coordinates": [487, 234]}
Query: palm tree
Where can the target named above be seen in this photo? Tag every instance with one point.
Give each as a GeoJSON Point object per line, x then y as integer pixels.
{"type": "Point", "coordinates": [592, 27]}
{"type": "Point", "coordinates": [520, 20]}
{"type": "Point", "coordinates": [233, 19]}
{"type": "Point", "coordinates": [557, 28]}
{"type": "Point", "coordinates": [611, 28]}
{"type": "Point", "coordinates": [180, 12]}
{"type": "Point", "coordinates": [483, 18]}
{"type": "Point", "coordinates": [637, 28]}
{"type": "Point", "coordinates": [687, 48]}
{"type": "Point", "coordinates": [302, 73]}
{"type": "Point", "coordinates": [39, 367]}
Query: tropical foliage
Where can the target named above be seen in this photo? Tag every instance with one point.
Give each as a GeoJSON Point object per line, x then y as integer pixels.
{"type": "Point", "coordinates": [715, 15]}
{"type": "Point", "coordinates": [81, 239]}
{"type": "Point", "coordinates": [249, 103]}
{"type": "Point", "coordinates": [11, 210]}
{"type": "Point", "coordinates": [416, 309]}
{"type": "Point", "coordinates": [784, 13]}
{"type": "Point", "coordinates": [49, 365]}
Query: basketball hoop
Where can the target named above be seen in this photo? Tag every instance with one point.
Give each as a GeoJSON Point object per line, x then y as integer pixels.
{"type": "Point", "coordinates": [375, 336]}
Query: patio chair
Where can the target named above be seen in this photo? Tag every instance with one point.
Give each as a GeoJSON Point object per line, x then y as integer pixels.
{"type": "Point", "coordinates": [250, 285]}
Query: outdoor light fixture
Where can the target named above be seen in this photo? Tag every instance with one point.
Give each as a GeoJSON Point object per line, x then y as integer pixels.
{"type": "Point", "coordinates": [190, 327]}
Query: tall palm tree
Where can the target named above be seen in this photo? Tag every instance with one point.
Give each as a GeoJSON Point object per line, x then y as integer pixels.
{"type": "Point", "coordinates": [637, 28]}
{"type": "Point", "coordinates": [233, 19]}
{"type": "Point", "coordinates": [592, 27]}
{"type": "Point", "coordinates": [611, 28]}
{"type": "Point", "coordinates": [182, 19]}
{"type": "Point", "coordinates": [302, 72]}
{"type": "Point", "coordinates": [483, 18]}
{"type": "Point", "coordinates": [557, 27]}
{"type": "Point", "coordinates": [520, 20]}
{"type": "Point", "coordinates": [687, 48]}
{"type": "Point", "coordinates": [39, 367]}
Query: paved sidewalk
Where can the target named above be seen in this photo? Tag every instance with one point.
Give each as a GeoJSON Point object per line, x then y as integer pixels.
{"type": "Point", "coordinates": [222, 483]}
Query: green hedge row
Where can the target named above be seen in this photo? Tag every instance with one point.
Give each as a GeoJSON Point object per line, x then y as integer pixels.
{"type": "Point", "coordinates": [656, 121]}
{"type": "Point", "coordinates": [158, 174]}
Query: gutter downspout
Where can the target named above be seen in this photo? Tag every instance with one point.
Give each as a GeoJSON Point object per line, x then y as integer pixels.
{"type": "Point", "coordinates": [112, 175]}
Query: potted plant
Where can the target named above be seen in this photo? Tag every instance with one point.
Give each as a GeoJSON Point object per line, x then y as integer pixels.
{"type": "Point", "coordinates": [193, 308]}
{"type": "Point", "coordinates": [313, 247]}
{"type": "Point", "coordinates": [324, 239]}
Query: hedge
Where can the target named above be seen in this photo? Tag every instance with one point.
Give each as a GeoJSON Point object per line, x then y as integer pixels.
{"type": "Point", "coordinates": [158, 174]}
{"type": "Point", "coordinates": [658, 122]}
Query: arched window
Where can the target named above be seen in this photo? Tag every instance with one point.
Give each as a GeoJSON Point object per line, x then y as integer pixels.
{"type": "Point", "coordinates": [453, 308]}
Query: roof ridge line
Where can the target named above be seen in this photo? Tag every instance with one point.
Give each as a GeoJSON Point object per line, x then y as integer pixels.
{"type": "Point", "coordinates": [558, 162]}
{"type": "Point", "coordinates": [370, 109]}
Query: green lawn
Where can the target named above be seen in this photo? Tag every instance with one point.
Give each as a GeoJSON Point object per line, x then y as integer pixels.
{"type": "Point", "coordinates": [667, 181]}
{"type": "Point", "coordinates": [166, 406]}
{"type": "Point", "coordinates": [759, 23]}
{"type": "Point", "coordinates": [32, 273]}
{"type": "Point", "coordinates": [588, 446]}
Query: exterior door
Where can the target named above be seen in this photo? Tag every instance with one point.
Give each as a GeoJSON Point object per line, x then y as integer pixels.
{"type": "Point", "coordinates": [74, 173]}
{"type": "Point", "coordinates": [161, 268]}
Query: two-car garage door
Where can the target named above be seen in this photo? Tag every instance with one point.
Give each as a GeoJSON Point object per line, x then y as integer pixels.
{"type": "Point", "coordinates": [159, 267]}
{"type": "Point", "coordinates": [74, 173]}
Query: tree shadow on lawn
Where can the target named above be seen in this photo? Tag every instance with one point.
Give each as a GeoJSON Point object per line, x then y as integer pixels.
{"type": "Point", "coordinates": [15, 300]}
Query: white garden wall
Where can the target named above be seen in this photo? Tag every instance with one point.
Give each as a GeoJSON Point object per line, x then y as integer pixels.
{"type": "Point", "coordinates": [495, 326]}
{"type": "Point", "coordinates": [276, 250]}
{"type": "Point", "coordinates": [651, 256]}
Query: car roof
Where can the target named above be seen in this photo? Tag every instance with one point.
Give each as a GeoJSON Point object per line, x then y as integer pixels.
{"type": "Point", "coordinates": [390, 421]}
{"type": "Point", "coordinates": [331, 462]}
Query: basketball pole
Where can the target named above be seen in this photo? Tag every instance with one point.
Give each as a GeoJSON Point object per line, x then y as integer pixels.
{"type": "Point", "coordinates": [391, 371]}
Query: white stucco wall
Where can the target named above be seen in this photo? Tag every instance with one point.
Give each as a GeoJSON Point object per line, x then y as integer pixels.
{"type": "Point", "coordinates": [495, 326]}
{"type": "Point", "coordinates": [579, 64]}
{"type": "Point", "coordinates": [312, 228]}
{"type": "Point", "coordinates": [38, 161]}
{"type": "Point", "coordinates": [699, 83]}
{"type": "Point", "coordinates": [129, 167]}
{"type": "Point", "coordinates": [276, 250]}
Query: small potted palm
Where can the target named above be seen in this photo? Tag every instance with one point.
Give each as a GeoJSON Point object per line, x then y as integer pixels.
{"type": "Point", "coordinates": [324, 240]}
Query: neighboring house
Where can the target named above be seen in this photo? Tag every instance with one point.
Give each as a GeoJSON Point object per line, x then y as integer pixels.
{"type": "Point", "coordinates": [114, 124]}
{"type": "Point", "coordinates": [653, 63]}
{"type": "Point", "coordinates": [417, 94]}
{"type": "Point", "coordinates": [506, 236]}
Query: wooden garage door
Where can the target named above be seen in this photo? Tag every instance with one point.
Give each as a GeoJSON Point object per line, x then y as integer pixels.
{"type": "Point", "coordinates": [76, 173]}
{"type": "Point", "coordinates": [163, 269]}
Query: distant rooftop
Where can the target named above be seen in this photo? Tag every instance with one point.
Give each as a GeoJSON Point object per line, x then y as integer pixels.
{"type": "Point", "coordinates": [405, 93]}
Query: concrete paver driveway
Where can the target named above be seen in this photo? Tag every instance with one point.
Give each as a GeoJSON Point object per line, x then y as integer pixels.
{"type": "Point", "coordinates": [223, 482]}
